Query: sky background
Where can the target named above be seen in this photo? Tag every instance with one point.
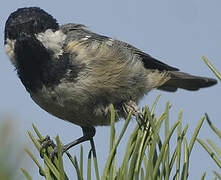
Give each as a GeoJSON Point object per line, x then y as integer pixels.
{"type": "Point", "coordinates": [173, 31]}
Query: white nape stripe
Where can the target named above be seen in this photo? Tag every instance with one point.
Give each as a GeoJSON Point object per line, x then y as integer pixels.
{"type": "Point", "coordinates": [53, 41]}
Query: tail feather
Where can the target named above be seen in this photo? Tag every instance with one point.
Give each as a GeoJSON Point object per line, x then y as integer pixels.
{"type": "Point", "coordinates": [186, 81]}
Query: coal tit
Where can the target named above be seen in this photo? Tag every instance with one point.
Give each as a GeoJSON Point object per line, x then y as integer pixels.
{"type": "Point", "coordinates": [75, 74]}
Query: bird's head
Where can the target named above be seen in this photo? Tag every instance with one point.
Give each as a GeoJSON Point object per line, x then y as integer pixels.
{"type": "Point", "coordinates": [28, 21]}
{"type": "Point", "coordinates": [31, 42]}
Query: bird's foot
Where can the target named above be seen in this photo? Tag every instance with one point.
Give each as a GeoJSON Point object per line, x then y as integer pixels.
{"type": "Point", "coordinates": [131, 106]}
{"type": "Point", "coordinates": [45, 143]}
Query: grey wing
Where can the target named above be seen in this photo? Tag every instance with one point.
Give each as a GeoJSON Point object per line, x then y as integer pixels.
{"type": "Point", "coordinates": [108, 68]}
{"type": "Point", "coordinates": [148, 61]}
{"type": "Point", "coordinates": [80, 32]}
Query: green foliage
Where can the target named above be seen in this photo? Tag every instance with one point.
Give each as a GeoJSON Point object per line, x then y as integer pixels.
{"type": "Point", "coordinates": [212, 149]}
{"type": "Point", "coordinates": [218, 75]}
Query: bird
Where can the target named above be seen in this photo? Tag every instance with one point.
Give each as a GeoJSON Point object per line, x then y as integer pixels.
{"type": "Point", "coordinates": [76, 74]}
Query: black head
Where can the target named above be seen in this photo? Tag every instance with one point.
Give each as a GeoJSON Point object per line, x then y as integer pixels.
{"type": "Point", "coordinates": [28, 21]}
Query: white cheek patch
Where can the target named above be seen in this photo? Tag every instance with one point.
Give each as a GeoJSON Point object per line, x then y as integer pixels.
{"type": "Point", "coordinates": [9, 50]}
{"type": "Point", "coordinates": [53, 41]}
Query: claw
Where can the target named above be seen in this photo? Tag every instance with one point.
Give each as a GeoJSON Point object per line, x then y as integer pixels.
{"type": "Point", "coordinates": [132, 106]}
{"type": "Point", "coordinates": [45, 144]}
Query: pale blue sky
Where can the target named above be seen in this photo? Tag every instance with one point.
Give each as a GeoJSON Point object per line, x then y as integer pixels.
{"type": "Point", "coordinates": [174, 31]}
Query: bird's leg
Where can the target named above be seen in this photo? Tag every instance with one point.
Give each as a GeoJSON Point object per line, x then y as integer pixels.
{"type": "Point", "coordinates": [133, 107]}
{"type": "Point", "coordinates": [88, 134]}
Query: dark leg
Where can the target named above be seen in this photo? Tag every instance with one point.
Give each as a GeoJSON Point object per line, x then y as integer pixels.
{"type": "Point", "coordinates": [88, 134]}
